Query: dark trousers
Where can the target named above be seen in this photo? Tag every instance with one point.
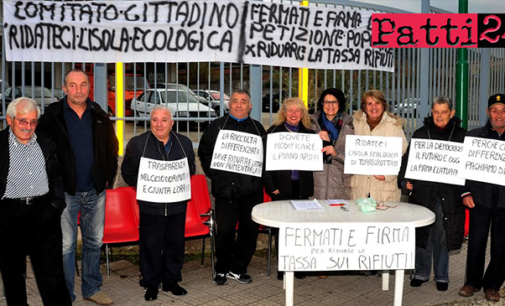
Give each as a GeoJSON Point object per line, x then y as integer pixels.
{"type": "Point", "coordinates": [480, 221]}
{"type": "Point", "coordinates": [234, 253]}
{"type": "Point", "coordinates": [32, 230]}
{"type": "Point", "coordinates": [295, 195]}
{"type": "Point", "coordinates": [161, 248]}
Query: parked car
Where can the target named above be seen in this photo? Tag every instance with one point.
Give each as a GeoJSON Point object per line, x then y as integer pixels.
{"type": "Point", "coordinates": [407, 108]}
{"type": "Point", "coordinates": [181, 103]}
{"type": "Point", "coordinates": [59, 93]}
{"type": "Point", "coordinates": [214, 97]}
{"type": "Point", "coordinates": [3, 86]}
{"type": "Point", "coordinates": [37, 93]}
{"type": "Point", "coordinates": [276, 101]}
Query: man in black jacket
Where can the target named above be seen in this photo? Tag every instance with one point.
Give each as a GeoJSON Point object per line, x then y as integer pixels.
{"type": "Point", "coordinates": [31, 202]}
{"type": "Point", "coordinates": [87, 149]}
{"type": "Point", "coordinates": [487, 209]}
{"type": "Point", "coordinates": [434, 242]}
{"type": "Point", "coordinates": [236, 194]}
{"type": "Point", "coordinates": [162, 218]}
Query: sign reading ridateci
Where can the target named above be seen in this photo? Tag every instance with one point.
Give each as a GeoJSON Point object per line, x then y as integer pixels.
{"type": "Point", "coordinates": [251, 32]}
{"type": "Point", "coordinates": [163, 181]}
{"type": "Point", "coordinates": [372, 155]}
{"type": "Point", "coordinates": [294, 151]}
{"type": "Point", "coordinates": [346, 246]}
{"type": "Point", "coordinates": [435, 161]}
{"type": "Point", "coordinates": [484, 160]}
{"type": "Point", "coordinates": [238, 152]}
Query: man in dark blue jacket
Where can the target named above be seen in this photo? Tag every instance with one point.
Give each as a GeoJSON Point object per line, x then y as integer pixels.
{"type": "Point", "coordinates": [236, 194]}
{"type": "Point", "coordinates": [487, 210]}
{"type": "Point", "coordinates": [87, 150]}
{"type": "Point", "coordinates": [162, 222]}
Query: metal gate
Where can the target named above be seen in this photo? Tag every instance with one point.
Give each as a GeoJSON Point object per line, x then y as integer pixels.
{"type": "Point", "coordinates": [268, 85]}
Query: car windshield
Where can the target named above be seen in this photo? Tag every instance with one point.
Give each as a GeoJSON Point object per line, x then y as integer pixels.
{"type": "Point", "coordinates": [177, 96]}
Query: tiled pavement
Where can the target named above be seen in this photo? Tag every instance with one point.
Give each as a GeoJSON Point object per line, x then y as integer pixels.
{"type": "Point", "coordinates": [357, 290]}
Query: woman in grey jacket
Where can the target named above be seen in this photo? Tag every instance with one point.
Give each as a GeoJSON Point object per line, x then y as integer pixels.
{"type": "Point", "coordinates": [332, 124]}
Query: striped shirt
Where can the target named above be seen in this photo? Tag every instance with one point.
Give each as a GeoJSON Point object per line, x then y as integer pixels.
{"type": "Point", "coordinates": [27, 169]}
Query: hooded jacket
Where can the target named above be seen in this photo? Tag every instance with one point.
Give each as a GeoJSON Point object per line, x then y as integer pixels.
{"type": "Point", "coordinates": [424, 193]}
{"type": "Point", "coordinates": [332, 183]}
{"type": "Point", "coordinates": [364, 185]}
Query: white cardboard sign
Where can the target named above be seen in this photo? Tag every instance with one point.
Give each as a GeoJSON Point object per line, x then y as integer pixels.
{"type": "Point", "coordinates": [238, 152]}
{"type": "Point", "coordinates": [346, 246]}
{"type": "Point", "coordinates": [163, 181]}
{"type": "Point", "coordinates": [483, 160]}
{"type": "Point", "coordinates": [294, 151]}
{"type": "Point", "coordinates": [435, 161]}
{"type": "Point", "coordinates": [372, 155]}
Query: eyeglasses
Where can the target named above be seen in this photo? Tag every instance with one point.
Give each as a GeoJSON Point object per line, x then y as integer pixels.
{"type": "Point", "coordinates": [382, 206]}
{"type": "Point", "coordinates": [334, 102]}
{"type": "Point", "coordinates": [24, 122]}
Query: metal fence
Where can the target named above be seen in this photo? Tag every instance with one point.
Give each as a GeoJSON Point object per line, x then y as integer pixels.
{"type": "Point", "coordinates": [401, 87]}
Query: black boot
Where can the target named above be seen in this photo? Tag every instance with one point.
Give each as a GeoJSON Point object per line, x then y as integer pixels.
{"type": "Point", "coordinates": [151, 293]}
{"type": "Point", "coordinates": [173, 287]}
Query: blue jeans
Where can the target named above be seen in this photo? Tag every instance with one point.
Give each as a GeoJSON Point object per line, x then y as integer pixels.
{"type": "Point", "coordinates": [435, 251]}
{"type": "Point", "coordinates": [92, 207]}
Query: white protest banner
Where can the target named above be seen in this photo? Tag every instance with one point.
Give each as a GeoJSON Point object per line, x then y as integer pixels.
{"type": "Point", "coordinates": [372, 155]}
{"type": "Point", "coordinates": [312, 37]}
{"type": "Point", "coordinates": [294, 151]}
{"type": "Point", "coordinates": [346, 246]}
{"type": "Point", "coordinates": [435, 161]}
{"type": "Point", "coordinates": [238, 152]}
{"type": "Point", "coordinates": [190, 31]}
{"type": "Point", "coordinates": [163, 181]}
{"type": "Point", "coordinates": [483, 160]}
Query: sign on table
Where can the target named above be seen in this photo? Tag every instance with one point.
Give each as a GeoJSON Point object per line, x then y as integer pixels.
{"type": "Point", "coordinates": [484, 160]}
{"type": "Point", "coordinates": [238, 152]}
{"type": "Point", "coordinates": [372, 155]}
{"type": "Point", "coordinates": [294, 151]}
{"type": "Point", "coordinates": [435, 161]}
{"type": "Point", "coordinates": [163, 181]}
{"type": "Point", "coordinates": [346, 246]}
{"type": "Point", "coordinates": [251, 32]}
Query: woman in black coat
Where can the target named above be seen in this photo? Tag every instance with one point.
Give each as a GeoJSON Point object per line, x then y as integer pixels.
{"type": "Point", "coordinates": [434, 242]}
{"type": "Point", "coordinates": [292, 117]}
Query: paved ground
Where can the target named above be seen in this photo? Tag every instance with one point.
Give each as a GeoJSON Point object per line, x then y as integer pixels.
{"type": "Point", "coordinates": [357, 290]}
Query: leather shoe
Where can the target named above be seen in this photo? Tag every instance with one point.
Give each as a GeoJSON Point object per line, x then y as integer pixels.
{"type": "Point", "coordinates": [467, 290]}
{"type": "Point", "coordinates": [416, 282]}
{"type": "Point", "coordinates": [151, 293]}
{"type": "Point", "coordinates": [442, 286]}
{"type": "Point", "coordinates": [173, 287]}
{"type": "Point", "coordinates": [492, 295]}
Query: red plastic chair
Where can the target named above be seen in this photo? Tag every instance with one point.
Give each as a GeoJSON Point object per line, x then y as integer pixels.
{"type": "Point", "coordinates": [200, 196]}
{"type": "Point", "coordinates": [121, 223]}
{"type": "Point", "coordinates": [195, 228]}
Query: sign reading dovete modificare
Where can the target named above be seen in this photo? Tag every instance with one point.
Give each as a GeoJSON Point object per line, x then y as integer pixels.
{"type": "Point", "coordinates": [252, 32]}
{"type": "Point", "coordinates": [346, 246]}
{"type": "Point", "coordinates": [435, 161]}
{"type": "Point", "coordinates": [163, 181]}
{"type": "Point", "coordinates": [238, 152]}
{"type": "Point", "coordinates": [372, 155]}
{"type": "Point", "coordinates": [294, 151]}
{"type": "Point", "coordinates": [483, 160]}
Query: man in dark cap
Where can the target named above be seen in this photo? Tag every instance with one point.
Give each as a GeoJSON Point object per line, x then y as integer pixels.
{"type": "Point", "coordinates": [487, 209]}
